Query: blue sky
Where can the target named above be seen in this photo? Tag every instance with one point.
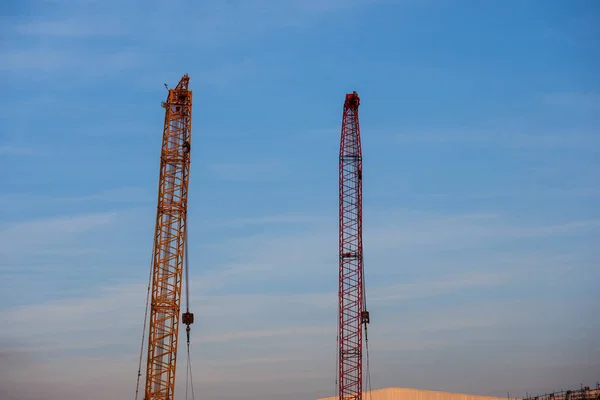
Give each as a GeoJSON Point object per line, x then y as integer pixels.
{"type": "Point", "coordinates": [480, 125]}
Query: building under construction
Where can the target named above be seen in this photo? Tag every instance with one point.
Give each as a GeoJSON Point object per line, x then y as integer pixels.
{"type": "Point", "coordinates": [585, 393]}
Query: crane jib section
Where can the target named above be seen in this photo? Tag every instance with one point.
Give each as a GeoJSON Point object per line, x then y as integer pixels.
{"type": "Point", "coordinates": [169, 245]}
{"type": "Point", "coordinates": [352, 312]}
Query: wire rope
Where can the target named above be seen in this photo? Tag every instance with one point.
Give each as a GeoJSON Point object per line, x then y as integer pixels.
{"type": "Point", "coordinates": [189, 383]}
{"type": "Point", "coordinates": [139, 374]}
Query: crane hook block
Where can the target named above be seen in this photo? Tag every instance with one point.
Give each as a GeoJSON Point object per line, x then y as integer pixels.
{"type": "Point", "coordinates": [187, 318]}
{"type": "Point", "coordinates": [364, 317]}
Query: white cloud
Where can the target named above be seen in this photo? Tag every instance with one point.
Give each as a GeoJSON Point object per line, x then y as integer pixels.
{"type": "Point", "coordinates": [41, 234]}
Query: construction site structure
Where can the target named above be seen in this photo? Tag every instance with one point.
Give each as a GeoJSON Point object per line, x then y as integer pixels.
{"type": "Point", "coordinates": [396, 393]}
{"type": "Point", "coordinates": [170, 247]}
{"type": "Point", "coordinates": [584, 393]}
{"type": "Point", "coordinates": [352, 312]}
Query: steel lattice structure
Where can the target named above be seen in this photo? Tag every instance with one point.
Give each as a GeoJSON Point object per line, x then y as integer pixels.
{"type": "Point", "coordinates": [169, 243]}
{"type": "Point", "coordinates": [352, 312]}
{"type": "Point", "coordinates": [584, 393]}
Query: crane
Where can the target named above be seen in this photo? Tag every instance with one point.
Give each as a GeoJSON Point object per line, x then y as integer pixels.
{"type": "Point", "coordinates": [352, 310]}
{"type": "Point", "coordinates": [170, 248]}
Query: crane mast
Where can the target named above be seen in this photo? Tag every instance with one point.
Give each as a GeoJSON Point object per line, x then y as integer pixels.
{"type": "Point", "coordinates": [352, 314]}
{"type": "Point", "coordinates": [169, 245]}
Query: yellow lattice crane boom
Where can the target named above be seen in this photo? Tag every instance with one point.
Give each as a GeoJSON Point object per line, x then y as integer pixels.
{"type": "Point", "coordinates": [169, 246]}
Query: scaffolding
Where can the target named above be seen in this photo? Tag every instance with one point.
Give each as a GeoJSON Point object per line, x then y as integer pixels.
{"type": "Point", "coordinates": [585, 393]}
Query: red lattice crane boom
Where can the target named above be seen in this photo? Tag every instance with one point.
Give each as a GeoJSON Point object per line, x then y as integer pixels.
{"type": "Point", "coordinates": [352, 312]}
{"type": "Point", "coordinates": [169, 245]}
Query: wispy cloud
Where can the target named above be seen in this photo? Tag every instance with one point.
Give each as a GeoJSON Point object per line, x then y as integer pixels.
{"type": "Point", "coordinates": [233, 315]}
{"type": "Point", "coordinates": [264, 349]}
{"type": "Point", "coordinates": [574, 192]}
{"type": "Point", "coordinates": [581, 100]}
{"type": "Point", "coordinates": [248, 21]}
{"type": "Point", "coordinates": [563, 140]}
{"type": "Point", "coordinates": [287, 332]}
{"type": "Point", "coordinates": [393, 240]}
{"type": "Point", "coordinates": [55, 60]}
{"type": "Point", "coordinates": [259, 327]}
{"type": "Point", "coordinates": [439, 286]}
{"type": "Point", "coordinates": [10, 150]}
{"type": "Point", "coordinates": [251, 171]}
{"type": "Point", "coordinates": [63, 320]}
{"type": "Point", "coordinates": [73, 28]}
{"type": "Point", "coordinates": [280, 219]}
{"type": "Point", "coordinates": [132, 194]}
{"type": "Point", "coordinates": [461, 231]}
{"type": "Point", "coordinates": [34, 235]}
{"type": "Point", "coordinates": [59, 225]}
